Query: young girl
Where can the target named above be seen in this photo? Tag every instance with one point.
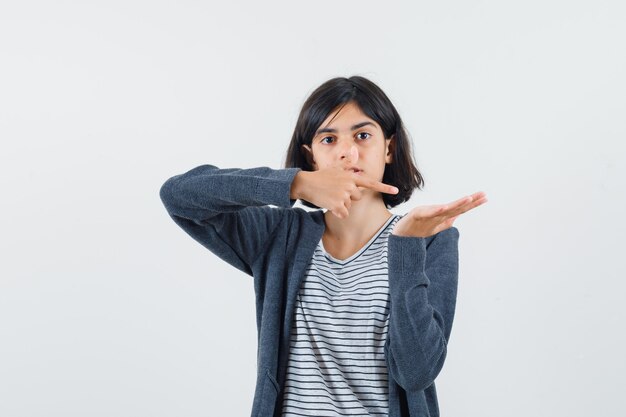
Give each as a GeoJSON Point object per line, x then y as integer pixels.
{"type": "Point", "coordinates": [354, 304]}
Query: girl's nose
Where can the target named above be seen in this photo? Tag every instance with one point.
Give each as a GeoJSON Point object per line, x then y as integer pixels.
{"type": "Point", "coordinates": [351, 153]}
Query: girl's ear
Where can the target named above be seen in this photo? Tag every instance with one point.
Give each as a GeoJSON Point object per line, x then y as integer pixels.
{"type": "Point", "coordinates": [308, 154]}
{"type": "Point", "coordinates": [390, 148]}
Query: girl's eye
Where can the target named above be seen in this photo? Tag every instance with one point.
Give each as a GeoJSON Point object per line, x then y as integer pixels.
{"type": "Point", "coordinates": [360, 135]}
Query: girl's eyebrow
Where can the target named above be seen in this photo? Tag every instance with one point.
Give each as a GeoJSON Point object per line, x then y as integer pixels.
{"type": "Point", "coordinates": [355, 127]}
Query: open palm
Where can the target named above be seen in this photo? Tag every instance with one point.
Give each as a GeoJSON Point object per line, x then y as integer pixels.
{"type": "Point", "coordinates": [424, 221]}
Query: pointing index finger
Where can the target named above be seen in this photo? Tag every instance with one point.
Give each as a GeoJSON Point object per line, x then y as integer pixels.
{"type": "Point", "coordinates": [377, 186]}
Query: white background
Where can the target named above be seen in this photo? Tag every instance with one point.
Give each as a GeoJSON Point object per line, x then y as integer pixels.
{"type": "Point", "coordinates": [107, 308]}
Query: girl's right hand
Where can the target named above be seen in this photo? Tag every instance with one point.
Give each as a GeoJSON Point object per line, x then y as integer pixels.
{"type": "Point", "coordinates": [334, 188]}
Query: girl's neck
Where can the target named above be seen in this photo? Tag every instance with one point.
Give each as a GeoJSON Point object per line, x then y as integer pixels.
{"type": "Point", "coordinates": [366, 217]}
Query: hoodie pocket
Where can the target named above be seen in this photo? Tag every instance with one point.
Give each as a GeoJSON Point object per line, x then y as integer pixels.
{"type": "Point", "coordinates": [269, 394]}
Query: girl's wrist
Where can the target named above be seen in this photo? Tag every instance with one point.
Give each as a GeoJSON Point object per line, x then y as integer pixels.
{"type": "Point", "coordinates": [297, 185]}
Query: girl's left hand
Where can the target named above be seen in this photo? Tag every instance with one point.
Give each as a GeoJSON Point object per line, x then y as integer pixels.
{"type": "Point", "coordinates": [424, 221]}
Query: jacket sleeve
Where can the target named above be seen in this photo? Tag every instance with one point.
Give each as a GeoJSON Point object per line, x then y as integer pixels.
{"type": "Point", "coordinates": [226, 210]}
{"type": "Point", "coordinates": [423, 281]}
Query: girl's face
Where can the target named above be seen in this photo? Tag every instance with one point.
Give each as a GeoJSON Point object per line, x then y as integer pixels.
{"type": "Point", "coordinates": [350, 140]}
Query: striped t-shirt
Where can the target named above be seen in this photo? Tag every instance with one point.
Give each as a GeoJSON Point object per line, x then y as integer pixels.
{"type": "Point", "coordinates": [336, 364]}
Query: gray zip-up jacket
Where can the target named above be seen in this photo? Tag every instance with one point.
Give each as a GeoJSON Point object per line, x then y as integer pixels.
{"type": "Point", "coordinates": [229, 212]}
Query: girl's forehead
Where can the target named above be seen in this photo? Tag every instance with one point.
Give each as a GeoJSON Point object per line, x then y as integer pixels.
{"type": "Point", "coordinates": [346, 116]}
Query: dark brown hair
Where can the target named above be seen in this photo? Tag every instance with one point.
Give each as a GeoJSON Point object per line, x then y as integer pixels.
{"type": "Point", "coordinates": [372, 101]}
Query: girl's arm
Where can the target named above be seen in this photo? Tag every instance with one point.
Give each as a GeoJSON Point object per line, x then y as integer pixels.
{"type": "Point", "coordinates": [423, 297]}
{"type": "Point", "coordinates": [226, 210]}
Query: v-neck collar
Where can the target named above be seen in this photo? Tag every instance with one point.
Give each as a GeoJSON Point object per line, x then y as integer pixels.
{"type": "Point", "coordinates": [362, 249]}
